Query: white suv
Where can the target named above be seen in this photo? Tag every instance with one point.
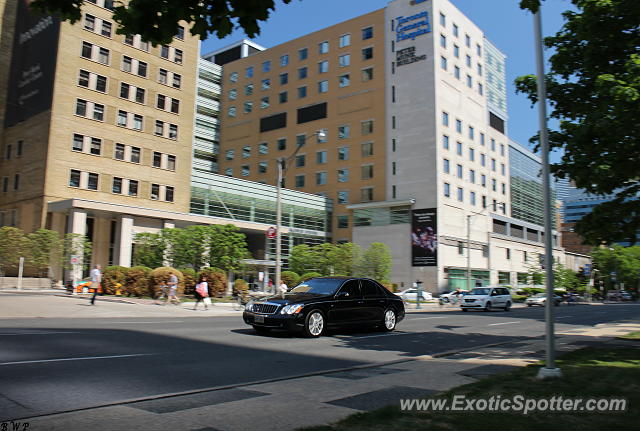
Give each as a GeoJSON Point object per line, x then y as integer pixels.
{"type": "Point", "coordinates": [486, 298]}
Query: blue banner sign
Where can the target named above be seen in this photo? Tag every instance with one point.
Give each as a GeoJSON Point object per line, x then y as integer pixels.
{"type": "Point", "coordinates": [410, 27]}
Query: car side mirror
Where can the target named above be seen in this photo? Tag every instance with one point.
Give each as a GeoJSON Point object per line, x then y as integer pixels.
{"type": "Point", "coordinates": [343, 295]}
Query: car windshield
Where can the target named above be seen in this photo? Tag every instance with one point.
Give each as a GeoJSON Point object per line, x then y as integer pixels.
{"type": "Point", "coordinates": [319, 286]}
{"type": "Point", "coordinates": [479, 291]}
{"type": "Point", "coordinates": [540, 295]}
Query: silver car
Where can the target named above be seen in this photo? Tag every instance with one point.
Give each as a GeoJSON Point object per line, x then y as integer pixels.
{"type": "Point", "coordinates": [541, 299]}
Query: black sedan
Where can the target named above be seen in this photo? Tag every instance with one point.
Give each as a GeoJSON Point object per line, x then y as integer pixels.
{"type": "Point", "coordinates": [322, 302]}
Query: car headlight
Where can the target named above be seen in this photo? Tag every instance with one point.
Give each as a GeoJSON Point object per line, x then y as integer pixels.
{"type": "Point", "coordinates": [291, 309]}
{"type": "Point", "coordinates": [249, 306]}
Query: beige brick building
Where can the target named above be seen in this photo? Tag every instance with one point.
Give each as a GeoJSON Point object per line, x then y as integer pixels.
{"type": "Point", "coordinates": [96, 116]}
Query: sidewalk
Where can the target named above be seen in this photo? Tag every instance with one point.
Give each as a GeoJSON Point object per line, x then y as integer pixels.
{"type": "Point", "coordinates": [326, 397]}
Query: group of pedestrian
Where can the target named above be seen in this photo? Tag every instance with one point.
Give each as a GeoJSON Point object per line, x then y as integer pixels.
{"type": "Point", "coordinates": [170, 290]}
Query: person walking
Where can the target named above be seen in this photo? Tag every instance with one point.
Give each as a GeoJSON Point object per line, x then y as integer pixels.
{"type": "Point", "coordinates": [283, 288]}
{"type": "Point", "coordinates": [96, 279]}
{"type": "Point", "coordinates": [173, 289]}
{"type": "Point", "coordinates": [202, 292]}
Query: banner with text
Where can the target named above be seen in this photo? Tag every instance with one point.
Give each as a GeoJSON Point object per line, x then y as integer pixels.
{"type": "Point", "coordinates": [424, 237]}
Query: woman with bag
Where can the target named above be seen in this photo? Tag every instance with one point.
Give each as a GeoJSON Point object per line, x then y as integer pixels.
{"type": "Point", "coordinates": [202, 292]}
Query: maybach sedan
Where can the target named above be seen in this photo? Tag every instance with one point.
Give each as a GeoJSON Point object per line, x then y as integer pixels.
{"type": "Point", "coordinates": [327, 302]}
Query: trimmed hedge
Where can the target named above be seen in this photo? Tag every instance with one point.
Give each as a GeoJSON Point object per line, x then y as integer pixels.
{"type": "Point", "coordinates": [113, 275]}
{"type": "Point", "coordinates": [217, 280]}
{"type": "Point", "coordinates": [309, 275]}
{"type": "Point", "coordinates": [190, 280]}
{"type": "Point", "coordinates": [240, 287]}
{"type": "Point", "coordinates": [137, 281]}
{"type": "Point", "coordinates": [160, 277]}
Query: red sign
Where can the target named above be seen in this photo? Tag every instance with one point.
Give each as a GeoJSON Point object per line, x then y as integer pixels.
{"type": "Point", "coordinates": [271, 232]}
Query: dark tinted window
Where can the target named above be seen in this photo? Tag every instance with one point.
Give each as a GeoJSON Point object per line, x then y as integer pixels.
{"type": "Point", "coordinates": [322, 286]}
{"type": "Point", "coordinates": [352, 288]}
{"type": "Point", "coordinates": [311, 113]}
{"type": "Point", "coordinates": [496, 122]}
{"type": "Point", "coordinates": [370, 289]}
{"type": "Point", "coordinates": [273, 122]}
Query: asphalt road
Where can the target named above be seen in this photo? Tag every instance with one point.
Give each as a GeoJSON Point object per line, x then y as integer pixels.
{"type": "Point", "coordinates": [53, 365]}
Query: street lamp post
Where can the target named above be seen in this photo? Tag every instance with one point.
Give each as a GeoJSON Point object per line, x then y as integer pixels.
{"type": "Point", "coordinates": [282, 168]}
{"type": "Point", "coordinates": [469, 243]}
{"type": "Point", "coordinates": [549, 370]}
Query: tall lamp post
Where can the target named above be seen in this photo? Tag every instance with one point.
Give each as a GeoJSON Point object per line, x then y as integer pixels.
{"type": "Point", "coordinates": [282, 163]}
{"type": "Point", "coordinates": [549, 370]}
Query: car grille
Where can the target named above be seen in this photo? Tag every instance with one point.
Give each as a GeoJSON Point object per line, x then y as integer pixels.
{"type": "Point", "coordinates": [264, 308]}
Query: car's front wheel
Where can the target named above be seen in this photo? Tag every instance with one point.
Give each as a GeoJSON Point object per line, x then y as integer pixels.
{"type": "Point", "coordinates": [390, 320]}
{"type": "Point", "coordinates": [507, 307]}
{"type": "Point", "coordinates": [487, 306]}
{"type": "Point", "coordinates": [314, 324]}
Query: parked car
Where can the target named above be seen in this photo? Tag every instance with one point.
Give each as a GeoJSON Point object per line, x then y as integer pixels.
{"type": "Point", "coordinates": [412, 295]}
{"type": "Point", "coordinates": [446, 296]}
{"type": "Point", "coordinates": [541, 299]}
{"type": "Point", "coordinates": [318, 303]}
{"type": "Point", "coordinates": [487, 298]}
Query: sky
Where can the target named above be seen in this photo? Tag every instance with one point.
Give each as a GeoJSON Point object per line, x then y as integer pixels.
{"type": "Point", "coordinates": [502, 21]}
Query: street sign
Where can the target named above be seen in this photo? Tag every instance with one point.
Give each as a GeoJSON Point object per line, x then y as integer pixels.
{"type": "Point", "coordinates": [74, 259]}
{"type": "Point", "coordinates": [587, 269]}
{"type": "Point", "coordinates": [271, 232]}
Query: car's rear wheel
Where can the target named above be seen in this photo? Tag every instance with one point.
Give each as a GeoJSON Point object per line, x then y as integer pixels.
{"type": "Point", "coordinates": [390, 320]}
{"type": "Point", "coordinates": [314, 324]}
{"type": "Point", "coordinates": [529, 305]}
{"type": "Point", "coordinates": [508, 306]}
{"type": "Point", "coordinates": [487, 306]}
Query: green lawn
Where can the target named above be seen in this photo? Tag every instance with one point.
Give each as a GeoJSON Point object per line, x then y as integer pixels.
{"type": "Point", "coordinates": [589, 372]}
{"type": "Point", "coordinates": [631, 336]}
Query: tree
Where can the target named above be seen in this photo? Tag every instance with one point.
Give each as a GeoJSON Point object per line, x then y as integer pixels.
{"type": "Point", "coordinates": [302, 259]}
{"type": "Point", "coordinates": [618, 265]}
{"type": "Point", "coordinates": [593, 87]}
{"type": "Point", "coordinates": [157, 20]}
{"type": "Point", "coordinates": [375, 263]}
{"type": "Point", "coordinates": [13, 245]}
{"type": "Point", "coordinates": [565, 278]}
{"type": "Point", "coordinates": [149, 250]}
{"type": "Point", "coordinates": [227, 246]}
{"type": "Point", "coordinates": [343, 258]}
{"type": "Point", "coordinates": [45, 247]}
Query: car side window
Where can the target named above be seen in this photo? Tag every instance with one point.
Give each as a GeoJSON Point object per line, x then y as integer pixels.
{"type": "Point", "coordinates": [494, 292]}
{"type": "Point", "coordinates": [352, 288]}
{"type": "Point", "coordinates": [370, 289]}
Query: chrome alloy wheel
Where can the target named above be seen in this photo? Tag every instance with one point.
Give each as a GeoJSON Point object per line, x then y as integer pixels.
{"type": "Point", "coordinates": [390, 320]}
{"type": "Point", "coordinates": [316, 324]}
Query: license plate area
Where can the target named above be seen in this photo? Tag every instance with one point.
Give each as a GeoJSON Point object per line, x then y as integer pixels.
{"type": "Point", "coordinates": [258, 318]}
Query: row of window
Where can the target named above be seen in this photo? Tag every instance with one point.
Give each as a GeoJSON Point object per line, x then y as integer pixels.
{"type": "Point", "coordinates": [503, 169]}
{"type": "Point", "coordinates": [300, 160]}
{"type": "Point", "coordinates": [303, 54]}
{"type": "Point", "coordinates": [129, 120]}
{"type": "Point", "coordinates": [90, 181]}
{"type": "Point", "coordinates": [456, 74]}
{"type": "Point", "coordinates": [283, 79]}
{"type": "Point", "coordinates": [6, 180]}
{"type": "Point", "coordinates": [471, 134]}
{"type": "Point", "coordinates": [131, 65]}
{"type": "Point", "coordinates": [9, 150]}
{"type": "Point", "coordinates": [105, 28]}
{"type": "Point", "coordinates": [472, 177]}
{"type": "Point", "coordinates": [283, 97]}
{"type": "Point", "coordinates": [129, 153]}
{"type": "Point", "coordinates": [473, 198]}
{"type": "Point", "coordinates": [366, 173]}
{"type": "Point", "coordinates": [456, 33]}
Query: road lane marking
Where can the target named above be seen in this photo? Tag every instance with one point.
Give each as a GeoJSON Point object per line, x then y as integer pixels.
{"type": "Point", "coordinates": [41, 333]}
{"type": "Point", "coordinates": [563, 317]}
{"type": "Point", "coordinates": [75, 359]}
{"type": "Point", "coordinates": [422, 318]}
{"type": "Point", "coordinates": [158, 321]}
{"type": "Point", "coordinates": [504, 323]}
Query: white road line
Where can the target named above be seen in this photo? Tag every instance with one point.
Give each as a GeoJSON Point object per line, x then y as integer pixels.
{"type": "Point", "coordinates": [41, 333]}
{"type": "Point", "coordinates": [504, 323]}
{"type": "Point", "coordinates": [563, 317]}
{"type": "Point", "coordinates": [159, 321]}
{"type": "Point", "coordinates": [75, 359]}
{"type": "Point", "coordinates": [382, 335]}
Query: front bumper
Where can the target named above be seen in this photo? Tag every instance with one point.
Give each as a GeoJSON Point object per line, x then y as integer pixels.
{"type": "Point", "coordinates": [475, 304]}
{"type": "Point", "coordinates": [289, 322]}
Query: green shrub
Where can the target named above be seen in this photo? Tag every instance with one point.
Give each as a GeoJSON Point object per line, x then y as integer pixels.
{"type": "Point", "coordinates": [111, 276]}
{"type": "Point", "coordinates": [532, 290]}
{"type": "Point", "coordinates": [160, 277]}
{"type": "Point", "coordinates": [290, 278]}
{"type": "Point", "coordinates": [217, 281]}
{"type": "Point", "coordinates": [190, 281]}
{"type": "Point", "coordinates": [240, 287]}
{"type": "Point", "coordinates": [308, 275]}
{"type": "Point", "coordinates": [137, 281]}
